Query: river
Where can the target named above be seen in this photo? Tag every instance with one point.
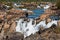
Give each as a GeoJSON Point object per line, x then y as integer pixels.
{"type": "Point", "coordinates": [36, 13]}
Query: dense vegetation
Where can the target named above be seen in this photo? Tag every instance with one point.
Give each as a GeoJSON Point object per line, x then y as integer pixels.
{"type": "Point", "coordinates": [28, 0]}
{"type": "Point", "coordinates": [58, 4]}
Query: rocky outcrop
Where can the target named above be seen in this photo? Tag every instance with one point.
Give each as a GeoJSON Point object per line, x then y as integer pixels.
{"type": "Point", "coordinates": [8, 22]}
{"type": "Point", "coordinates": [47, 34]}
{"type": "Point", "coordinates": [8, 25]}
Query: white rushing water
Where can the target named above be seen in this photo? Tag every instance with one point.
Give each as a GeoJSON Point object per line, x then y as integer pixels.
{"type": "Point", "coordinates": [46, 7]}
{"type": "Point", "coordinates": [28, 28]}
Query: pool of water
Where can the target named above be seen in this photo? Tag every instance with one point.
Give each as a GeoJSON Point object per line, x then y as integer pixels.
{"type": "Point", "coordinates": [55, 17]}
{"type": "Point", "coordinates": [37, 13]}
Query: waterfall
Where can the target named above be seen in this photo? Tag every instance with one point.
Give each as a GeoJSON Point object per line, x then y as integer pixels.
{"type": "Point", "coordinates": [28, 28]}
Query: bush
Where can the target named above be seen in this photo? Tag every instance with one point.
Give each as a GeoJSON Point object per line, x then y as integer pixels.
{"type": "Point", "coordinates": [58, 4]}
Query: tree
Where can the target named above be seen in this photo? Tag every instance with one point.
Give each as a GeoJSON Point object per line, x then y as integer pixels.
{"type": "Point", "coordinates": [58, 4]}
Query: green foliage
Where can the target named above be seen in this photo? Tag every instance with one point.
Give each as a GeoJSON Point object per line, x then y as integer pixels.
{"type": "Point", "coordinates": [58, 4]}
{"type": "Point", "coordinates": [27, 0]}
{"type": "Point", "coordinates": [49, 0]}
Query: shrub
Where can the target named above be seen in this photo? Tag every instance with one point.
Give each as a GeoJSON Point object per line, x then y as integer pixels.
{"type": "Point", "coordinates": [58, 4]}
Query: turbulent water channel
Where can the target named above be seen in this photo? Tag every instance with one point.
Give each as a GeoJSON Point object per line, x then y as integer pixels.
{"type": "Point", "coordinates": [30, 26]}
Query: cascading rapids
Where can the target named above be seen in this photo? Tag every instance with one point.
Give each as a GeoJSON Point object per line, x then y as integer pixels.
{"type": "Point", "coordinates": [28, 28]}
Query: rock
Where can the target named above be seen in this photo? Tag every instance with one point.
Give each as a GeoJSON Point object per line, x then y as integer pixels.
{"type": "Point", "coordinates": [9, 16]}
{"type": "Point", "coordinates": [49, 20]}
{"type": "Point", "coordinates": [1, 17]}
{"type": "Point", "coordinates": [59, 23]}
{"type": "Point", "coordinates": [0, 27]}
{"type": "Point", "coordinates": [6, 27]}
{"type": "Point", "coordinates": [15, 36]}
{"type": "Point", "coordinates": [13, 27]}
{"type": "Point", "coordinates": [33, 37]}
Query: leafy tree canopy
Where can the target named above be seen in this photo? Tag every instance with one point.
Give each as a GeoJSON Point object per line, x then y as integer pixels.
{"type": "Point", "coordinates": [28, 0]}
{"type": "Point", "coordinates": [58, 4]}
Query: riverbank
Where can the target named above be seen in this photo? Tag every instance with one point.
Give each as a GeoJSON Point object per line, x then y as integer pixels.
{"type": "Point", "coordinates": [8, 26]}
{"type": "Point", "coordinates": [9, 30]}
